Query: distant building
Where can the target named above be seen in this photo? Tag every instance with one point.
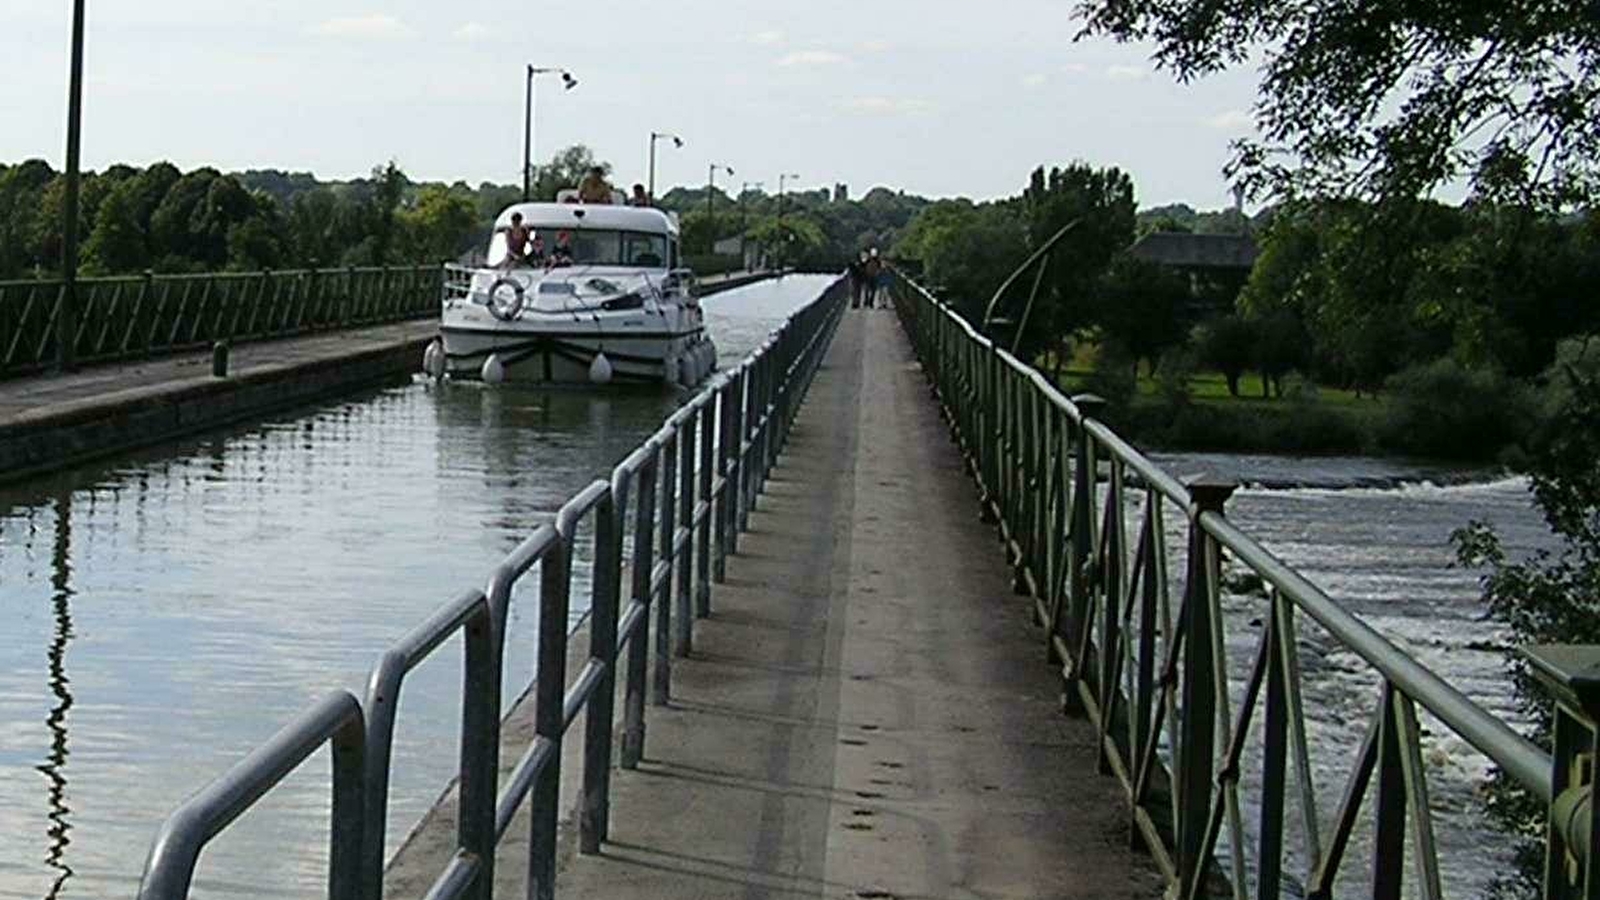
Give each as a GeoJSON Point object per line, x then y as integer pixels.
{"type": "Point", "coordinates": [1197, 251]}
{"type": "Point", "coordinates": [841, 193]}
{"type": "Point", "coordinates": [737, 246]}
{"type": "Point", "coordinates": [1218, 265]}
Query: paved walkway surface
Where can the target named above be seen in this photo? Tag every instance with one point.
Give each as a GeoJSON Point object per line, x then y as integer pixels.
{"type": "Point", "coordinates": [111, 383]}
{"type": "Point", "coordinates": [867, 713]}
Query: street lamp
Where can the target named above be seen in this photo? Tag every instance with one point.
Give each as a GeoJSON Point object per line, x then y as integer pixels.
{"type": "Point", "coordinates": [656, 136]}
{"type": "Point", "coordinates": [711, 183]}
{"type": "Point", "coordinates": [569, 83]}
{"type": "Point", "coordinates": [67, 317]}
{"type": "Point", "coordinates": [781, 179]}
{"type": "Point", "coordinates": [743, 237]}
{"type": "Point", "coordinates": [787, 176]}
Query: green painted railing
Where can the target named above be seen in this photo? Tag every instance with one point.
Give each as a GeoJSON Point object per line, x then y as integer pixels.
{"type": "Point", "coordinates": [137, 316]}
{"type": "Point", "coordinates": [1124, 566]}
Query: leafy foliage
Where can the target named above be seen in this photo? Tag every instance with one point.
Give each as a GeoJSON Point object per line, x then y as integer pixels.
{"type": "Point", "coordinates": [1393, 99]}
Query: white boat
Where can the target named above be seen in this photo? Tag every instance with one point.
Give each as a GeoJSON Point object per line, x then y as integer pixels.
{"type": "Point", "coordinates": [600, 297]}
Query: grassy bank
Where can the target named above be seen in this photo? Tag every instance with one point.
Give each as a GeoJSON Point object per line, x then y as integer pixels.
{"type": "Point", "coordinates": [1205, 417]}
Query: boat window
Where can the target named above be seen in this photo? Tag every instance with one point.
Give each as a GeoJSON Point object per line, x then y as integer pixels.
{"type": "Point", "coordinates": [497, 249]}
{"type": "Point", "coordinates": [672, 254]}
{"type": "Point", "coordinates": [598, 247]}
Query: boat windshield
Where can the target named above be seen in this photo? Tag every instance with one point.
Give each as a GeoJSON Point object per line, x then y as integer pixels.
{"type": "Point", "coordinates": [595, 247]}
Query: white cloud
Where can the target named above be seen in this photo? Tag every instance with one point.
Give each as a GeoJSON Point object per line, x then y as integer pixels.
{"type": "Point", "coordinates": [768, 37]}
{"type": "Point", "coordinates": [1034, 79]}
{"type": "Point", "coordinates": [1126, 73]}
{"type": "Point", "coordinates": [877, 45]}
{"type": "Point", "coordinates": [886, 106]}
{"type": "Point", "coordinates": [375, 26]}
{"type": "Point", "coordinates": [1074, 68]}
{"type": "Point", "coordinates": [1231, 120]}
{"type": "Point", "coordinates": [812, 58]}
{"type": "Point", "coordinates": [472, 31]}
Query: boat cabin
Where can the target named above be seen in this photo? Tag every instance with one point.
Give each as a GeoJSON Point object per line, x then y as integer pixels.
{"type": "Point", "coordinates": [634, 237]}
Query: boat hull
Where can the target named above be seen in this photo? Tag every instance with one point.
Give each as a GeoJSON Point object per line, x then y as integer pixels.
{"type": "Point", "coordinates": [567, 356]}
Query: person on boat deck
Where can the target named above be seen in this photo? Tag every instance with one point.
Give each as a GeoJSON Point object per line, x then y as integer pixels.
{"type": "Point", "coordinates": [562, 254]}
{"type": "Point", "coordinates": [517, 237]}
{"type": "Point", "coordinates": [594, 188]}
{"type": "Point", "coordinates": [639, 198]}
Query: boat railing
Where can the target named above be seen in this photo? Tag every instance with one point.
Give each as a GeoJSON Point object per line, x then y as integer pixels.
{"type": "Point", "coordinates": [458, 282]}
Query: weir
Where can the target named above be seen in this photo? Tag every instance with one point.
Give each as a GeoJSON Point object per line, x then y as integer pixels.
{"type": "Point", "coordinates": [808, 669]}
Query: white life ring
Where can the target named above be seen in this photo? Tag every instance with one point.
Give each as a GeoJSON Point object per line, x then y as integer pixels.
{"type": "Point", "coordinates": [507, 311]}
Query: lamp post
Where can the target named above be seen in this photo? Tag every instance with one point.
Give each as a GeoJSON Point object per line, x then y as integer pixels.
{"type": "Point", "coordinates": [786, 176]}
{"type": "Point", "coordinates": [67, 316]}
{"type": "Point", "coordinates": [569, 83]}
{"type": "Point", "coordinates": [711, 183]}
{"type": "Point", "coordinates": [743, 237]}
{"type": "Point", "coordinates": [656, 136]}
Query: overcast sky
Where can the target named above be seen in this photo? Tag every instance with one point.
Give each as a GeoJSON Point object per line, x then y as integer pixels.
{"type": "Point", "coordinates": [934, 96]}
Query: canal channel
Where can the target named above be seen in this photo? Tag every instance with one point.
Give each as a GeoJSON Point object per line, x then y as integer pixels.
{"type": "Point", "coordinates": [166, 612]}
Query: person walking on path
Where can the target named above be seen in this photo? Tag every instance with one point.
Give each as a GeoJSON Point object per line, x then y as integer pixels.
{"type": "Point", "coordinates": [871, 269]}
{"type": "Point", "coordinates": [858, 277]}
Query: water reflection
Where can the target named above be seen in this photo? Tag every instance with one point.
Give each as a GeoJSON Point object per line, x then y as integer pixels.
{"type": "Point", "coordinates": [59, 833]}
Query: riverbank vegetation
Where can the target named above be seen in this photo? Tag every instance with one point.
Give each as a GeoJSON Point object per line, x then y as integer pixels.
{"type": "Point", "coordinates": [163, 219]}
{"type": "Point", "coordinates": [1478, 321]}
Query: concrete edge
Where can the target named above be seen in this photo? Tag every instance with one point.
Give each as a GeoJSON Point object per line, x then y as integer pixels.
{"type": "Point", "coordinates": [73, 432]}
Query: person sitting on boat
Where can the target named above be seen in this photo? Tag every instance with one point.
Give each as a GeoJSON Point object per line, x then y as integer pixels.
{"type": "Point", "coordinates": [562, 254]}
{"type": "Point", "coordinates": [594, 188]}
{"type": "Point", "coordinates": [517, 237]}
{"type": "Point", "coordinates": [639, 198]}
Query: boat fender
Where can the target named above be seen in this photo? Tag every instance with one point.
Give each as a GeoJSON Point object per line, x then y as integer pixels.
{"type": "Point", "coordinates": [433, 360]}
{"type": "Point", "coordinates": [669, 370]}
{"type": "Point", "coordinates": [493, 371]}
{"type": "Point", "coordinates": [711, 354]}
{"type": "Point", "coordinates": [509, 310]}
{"type": "Point", "coordinates": [705, 364]}
{"type": "Point", "coordinates": [600, 369]}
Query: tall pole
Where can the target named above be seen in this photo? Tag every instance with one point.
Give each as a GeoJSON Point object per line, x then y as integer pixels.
{"type": "Point", "coordinates": [67, 317]}
{"type": "Point", "coordinates": [656, 136]}
{"type": "Point", "coordinates": [527, 140]}
{"type": "Point", "coordinates": [711, 185]}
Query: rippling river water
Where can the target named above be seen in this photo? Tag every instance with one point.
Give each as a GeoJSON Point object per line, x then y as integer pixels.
{"type": "Point", "coordinates": [166, 612]}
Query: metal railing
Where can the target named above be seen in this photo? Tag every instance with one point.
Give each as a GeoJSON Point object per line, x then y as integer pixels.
{"type": "Point", "coordinates": [1152, 676]}
{"type": "Point", "coordinates": [135, 316]}
{"type": "Point", "coordinates": [691, 487]}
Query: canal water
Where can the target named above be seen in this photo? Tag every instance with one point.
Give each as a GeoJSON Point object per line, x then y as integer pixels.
{"type": "Point", "coordinates": [166, 612]}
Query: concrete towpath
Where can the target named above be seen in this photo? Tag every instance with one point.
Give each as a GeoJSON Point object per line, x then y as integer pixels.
{"type": "Point", "coordinates": [867, 712]}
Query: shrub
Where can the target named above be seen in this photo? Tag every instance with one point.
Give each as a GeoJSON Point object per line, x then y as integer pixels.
{"type": "Point", "coordinates": [1444, 409]}
{"type": "Point", "coordinates": [1115, 378]}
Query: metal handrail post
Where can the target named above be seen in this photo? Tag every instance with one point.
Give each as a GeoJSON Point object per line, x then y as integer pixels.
{"type": "Point", "coordinates": [1196, 743]}
{"type": "Point", "coordinates": [604, 609]}
{"type": "Point", "coordinates": [549, 724]}
{"type": "Point", "coordinates": [633, 700]}
{"type": "Point", "coordinates": [662, 594]}
{"type": "Point", "coordinates": [722, 536]}
{"type": "Point", "coordinates": [706, 471]}
{"type": "Point", "coordinates": [684, 558]}
{"type": "Point", "coordinates": [480, 747]}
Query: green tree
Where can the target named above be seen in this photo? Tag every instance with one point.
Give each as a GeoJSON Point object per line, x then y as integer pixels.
{"type": "Point", "coordinates": [964, 250]}
{"type": "Point", "coordinates": [1100, 202]}
{"type": "Point", "coordinates": [1228, 344]}
{"type": "Point", "coordinates": [1393, 99]}
{"type": "Point", "coordinates": [117, 243]}
{"type": "Point", "coordinates": [1142, 306]}
{"type": "Point", "coordinates": [439, 226]}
